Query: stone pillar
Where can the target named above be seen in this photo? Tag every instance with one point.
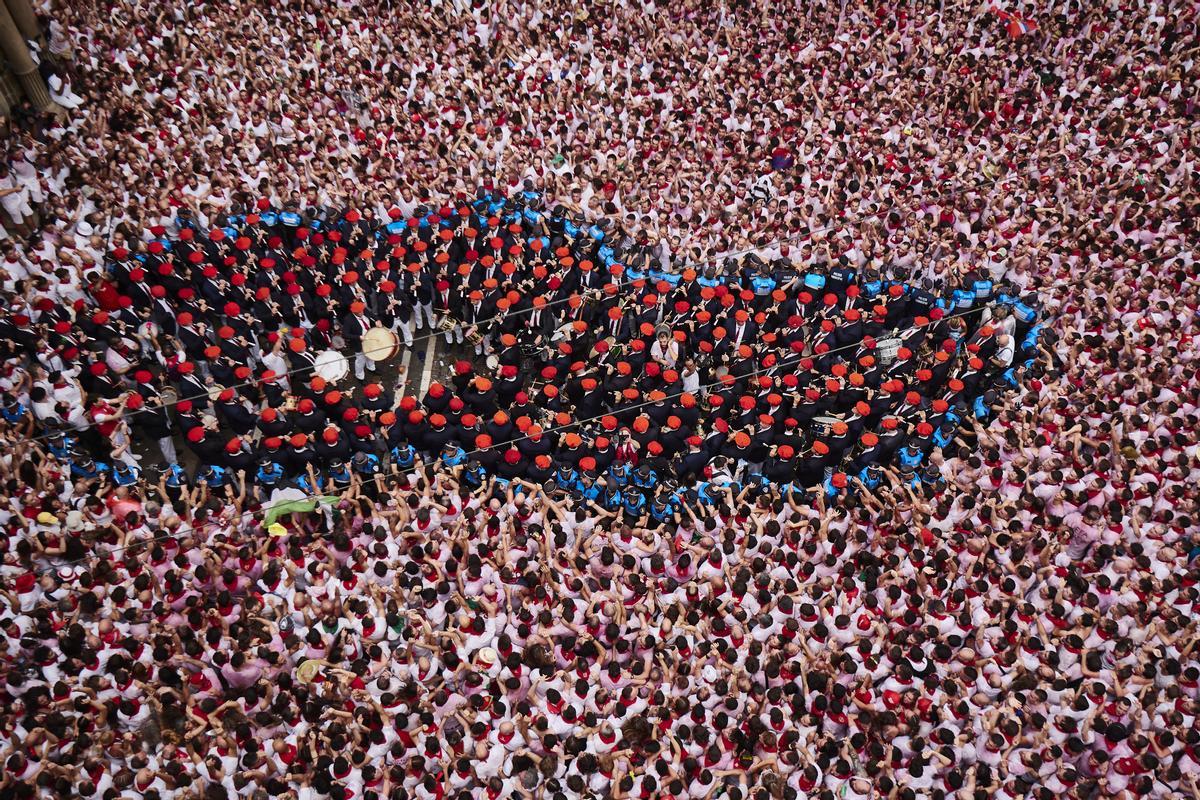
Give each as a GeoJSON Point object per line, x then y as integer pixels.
{"type": "Point", "coordinates": [26, 21]}
{"type": "Point", "coordinates": [21, 63]}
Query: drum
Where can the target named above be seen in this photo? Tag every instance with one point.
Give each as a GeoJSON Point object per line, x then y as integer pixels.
{"type": "Point", "coordinates": [823, 426]}
{"type": "Point", "coordinates": [214, 391]}
{"type": "Point", "coordinates": [380, 344]}
{"type": "Point", "coordinates": [887, 349]}
{"type": "Point", "coordinates": [331, 365]}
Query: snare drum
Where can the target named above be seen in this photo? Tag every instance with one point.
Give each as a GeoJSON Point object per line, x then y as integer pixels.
{"type": "Point", "coordinates": [823, 426]}
{"type": "Point", "coordinates": [886, 349]}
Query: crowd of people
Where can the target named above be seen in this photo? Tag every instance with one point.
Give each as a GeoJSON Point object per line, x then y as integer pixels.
{"type": "Point", "coordinates": [823, 423]}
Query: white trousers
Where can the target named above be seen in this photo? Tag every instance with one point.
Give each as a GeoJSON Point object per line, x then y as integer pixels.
{"type": "Point", "coordinates": [361, 365]}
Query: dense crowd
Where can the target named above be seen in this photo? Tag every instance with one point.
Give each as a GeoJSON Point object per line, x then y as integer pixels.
{"type": "Point", "coordinates": [823, 423]}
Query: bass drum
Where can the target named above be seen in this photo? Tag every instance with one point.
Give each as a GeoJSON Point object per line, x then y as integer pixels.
{"type": "Point", "coordinates": [380, 344]}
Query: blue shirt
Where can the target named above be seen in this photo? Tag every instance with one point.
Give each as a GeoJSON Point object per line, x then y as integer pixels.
{"type": "Point", "coordinates": [459, 456]}
{"type": "Point", "coordinates": [792, 489]}
{"type": "Point", "coordinates": [611, 500]}
{"type": "Point", "coordinates": [831, 491]}
{"type": "Point", "coordinates": [909, 459]}
{"type": "Point", "coordinates": [763, 284]}
{"type": "Point", "coordinates": [368, 467]}
{"type": "Point", "coordinates": [270, 474]}
{"type": "Point", "coordinates": [634, 503]}
{"type": "Point", "coordinates": [125, 475]}
{"type": "Point", "coordinates": [644, 482]}
{"type": "Point", "coordinates": [176, 475]}
{"type": "Point", "coordinates": [662, 511]}
{"type": "Point", "coordinates": [98, 468]}
{"type": "Point", "coordinates": [670, 277]}
{"type": "Point", "coordinates": [702, 494]}
{"type": "Point", "coordinates": [940, 440]}
{"type": "Point", "coordinates": [403, 457]}
{"type": "Point", "coordinates": [213, 476]}
{"type": "Point", "coordinates": [1031, 339]}
{"type": "Point", "coordinates": [620, 473]}
{"type": "Point", "coordinates": [474, 477]}
{"type": "Point", "coordinates": [814, 280]}
{"type": "Point", "coordinates": [962, 298]}
{"type": "Point", "coordinates": [868, 481]}
{"type": "Point", "coordinates": [63, 451]}
{"type": "Point", "coordinates": [14, 412]}
{"type": "Point", "coordinates": [566, 479]}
